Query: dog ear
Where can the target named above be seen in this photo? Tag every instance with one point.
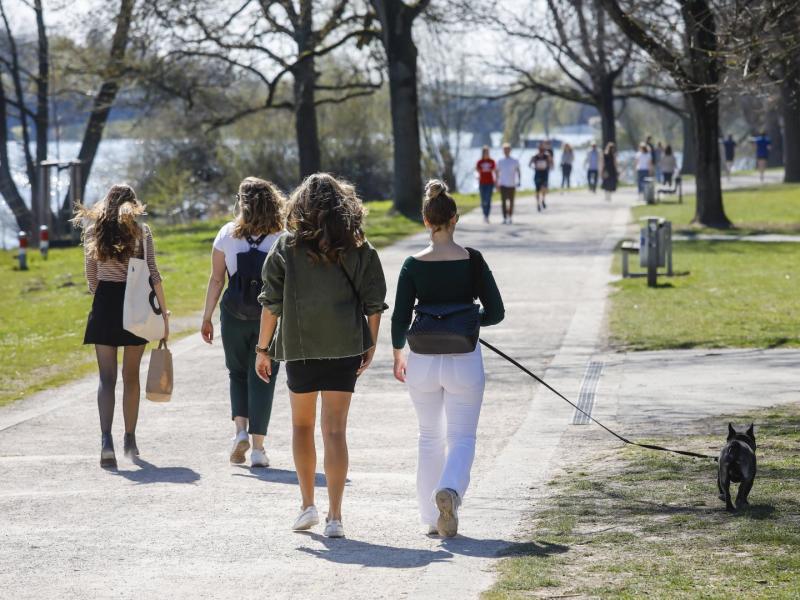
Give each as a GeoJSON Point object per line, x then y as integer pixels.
{"type": "Point", "coordinates": [731, 431]}
{"type": "Point", "coordinates": [750, 431]}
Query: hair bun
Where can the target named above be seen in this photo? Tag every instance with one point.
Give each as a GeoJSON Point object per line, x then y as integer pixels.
{"type": "Point", "coordinates": [434, 188]}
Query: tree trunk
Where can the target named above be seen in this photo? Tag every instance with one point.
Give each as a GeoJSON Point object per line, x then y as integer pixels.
{"type": "Point", "coordinates": [689, 162]}
{"type": "Point", "coordinates": [605, 106]}
{"type": "Point", "coordinates": [8, 188]}
{"type": "Point", "coordinates": [705, 118]}
{"type": "Point", "coordinates": [103, 101]}
{"type": "Point", "coordinates": [305, 118]}
{"type": "Point", "coordinates": [42, 119]}
{"type": "Point", "coordinates": [401, 54]}
{"type": "Point", "coordinates": [790, 106]}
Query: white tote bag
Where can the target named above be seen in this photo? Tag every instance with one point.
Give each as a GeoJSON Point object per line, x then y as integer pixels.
{"type": "Point", "coordinates": [141, 314]}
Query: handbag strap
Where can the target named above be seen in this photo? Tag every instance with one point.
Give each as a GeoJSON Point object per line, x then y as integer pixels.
{"type": "Point", "coordinates": [352, 285]}
{"type": "Point", "coordinates": [476, 269]}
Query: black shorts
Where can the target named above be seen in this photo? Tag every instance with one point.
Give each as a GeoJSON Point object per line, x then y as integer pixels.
{"type": "Point", "coordinates": [104, 325]}
{"type": "Point", "coordinates": [540, 179]}
{"type": "Point", "coordinates": [323, 374]}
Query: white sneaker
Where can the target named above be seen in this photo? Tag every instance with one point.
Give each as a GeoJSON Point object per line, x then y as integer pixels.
{"type": "Point", "coordinates": [259, 458]}
{"type": "Point", "coordinates": [447, 501]}
{"type": "Point", "coordinates": [334, 529]}
{"type": "Point", "coordinates": [241, 444]}
{"type": "Point", "coordinates": [307, 519]}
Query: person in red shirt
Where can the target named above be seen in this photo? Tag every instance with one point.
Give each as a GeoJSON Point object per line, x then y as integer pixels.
{"type": "Point", "coordinates": [486, 178]}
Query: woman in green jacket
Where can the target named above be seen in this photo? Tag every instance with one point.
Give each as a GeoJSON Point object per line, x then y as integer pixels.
{"type": "Point", "coordinates": [322, 299]}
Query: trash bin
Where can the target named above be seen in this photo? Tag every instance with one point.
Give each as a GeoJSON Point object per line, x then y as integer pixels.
{"type": "Point", "coordinates": [650, 190]}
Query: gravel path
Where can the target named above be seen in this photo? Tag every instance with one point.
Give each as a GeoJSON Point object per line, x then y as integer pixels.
{"type": "Point", "coordinates": [183, 523]}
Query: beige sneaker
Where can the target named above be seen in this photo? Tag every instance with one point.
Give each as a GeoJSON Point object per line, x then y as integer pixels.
{"type": "Point", "coordinates": [447, 501]}
{"type": "Point", "coordinates": [334, 529]}
{"type": "Point", "coordinates": [241, 444]}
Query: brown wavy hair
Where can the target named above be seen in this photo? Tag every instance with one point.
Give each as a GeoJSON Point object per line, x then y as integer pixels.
{"type": "Point", "coordinates": [112, 222]}
{"type": "Point", "coordinates": [438, 206]}
{"type": "Point", "coordinates": [326, 216]}
{"type": "Point", "coordinates": [260, 208]}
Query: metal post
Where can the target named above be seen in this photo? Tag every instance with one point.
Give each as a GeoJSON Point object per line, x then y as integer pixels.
{"type": "Point", "coordinates": [652, 252]}
{"type": "Point", "coordinates": [668, 241]}
{"type": "Point", "coordinates": [44, 240]}
{"type": "Point", "coordinates": [23, 251]}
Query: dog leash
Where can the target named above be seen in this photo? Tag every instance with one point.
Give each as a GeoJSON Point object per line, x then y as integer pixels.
{"type": "Point", "coordinates": [568, 401]}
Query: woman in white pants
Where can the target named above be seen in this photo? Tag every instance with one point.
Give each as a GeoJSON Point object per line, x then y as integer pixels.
{"type": "Point", "coordinates": [446, 389]}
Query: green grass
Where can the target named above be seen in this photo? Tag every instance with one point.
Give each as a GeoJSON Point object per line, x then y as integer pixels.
{"type": "Point", "coordinates": [43, 310]}
{"type": "Point", "coordinates": [650, 525]}
{"type": "Point", "coordinates": [736, 294]}
{"type": "Point", "coordinates": [767, 209]}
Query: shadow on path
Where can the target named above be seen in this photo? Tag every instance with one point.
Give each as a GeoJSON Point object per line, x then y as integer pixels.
{"type": "Point", "coordinates": [355, 552]}
{"type": "Point", "coordinates": [279, 476]}
{"type": "Point", "coordinates": [150, 473]}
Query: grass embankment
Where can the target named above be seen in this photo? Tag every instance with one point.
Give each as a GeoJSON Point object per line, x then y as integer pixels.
{"type": "Point", "coordinates": [649, 525]}
{"type": "Point", "coordinates": [43, 310]}
{"type": "Point", "coordinates": [767, 209]}
{"type": "Point", "coordinates": [736, 294]}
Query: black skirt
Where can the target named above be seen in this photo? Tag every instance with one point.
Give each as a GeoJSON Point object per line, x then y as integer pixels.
{"type": "Point", "coordinates": [104, 326]}
{"type": "Point", "coordinates": [323, 374]}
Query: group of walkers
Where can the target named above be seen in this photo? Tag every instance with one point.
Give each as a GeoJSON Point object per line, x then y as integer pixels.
{"type": "Point", "coordinates": [656, 161]}
{"type": "Point", "coordinates": [505, 173]}
{"type": "Point", "coordinates": [306, 288]}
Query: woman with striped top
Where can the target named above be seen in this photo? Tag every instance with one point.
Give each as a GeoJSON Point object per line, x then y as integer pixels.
{"type": "Point", "coordinates": [111, 236]}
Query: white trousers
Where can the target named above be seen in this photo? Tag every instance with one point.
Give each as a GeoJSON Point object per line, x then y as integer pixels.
{"type": "Point", "coordinates": [447, 392]}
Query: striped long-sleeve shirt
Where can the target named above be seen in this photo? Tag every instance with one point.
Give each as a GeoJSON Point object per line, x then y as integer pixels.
{"type": "Point", "coordinates": [116, 270]}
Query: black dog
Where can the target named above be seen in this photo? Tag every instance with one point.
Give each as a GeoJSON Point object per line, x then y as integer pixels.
{"type": "Point", "coordinates": [737, 464]}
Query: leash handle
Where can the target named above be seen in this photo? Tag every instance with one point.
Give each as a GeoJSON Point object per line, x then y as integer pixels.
{"type": "Point", "coordinates": [576, 407]}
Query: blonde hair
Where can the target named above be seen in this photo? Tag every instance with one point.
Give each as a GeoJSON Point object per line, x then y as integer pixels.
{"type": "Point", "coordinates": [261, 207]}
{"type": "Point", "coordinates": [438, 206]}
{"type": "Point", "coordinates": [112, 222]}
{"type": "Point", "coordinates": [326, 216]}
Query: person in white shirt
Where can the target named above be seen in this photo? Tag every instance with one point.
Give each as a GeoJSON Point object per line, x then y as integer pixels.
{"type": "Point", "coordinates": [643, 162]}
{"type": "Point", "coordinates": [508, 180]}
{"type": "Point", "coordinates": [240, 249]}
{"type": "Point", "coordinates": [592, 163]}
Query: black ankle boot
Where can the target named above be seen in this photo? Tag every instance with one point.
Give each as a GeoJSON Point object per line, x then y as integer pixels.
{"type": "Point", "coordinates": [108, 460]}
{"type": "Point", "coordinates": [129, 445]}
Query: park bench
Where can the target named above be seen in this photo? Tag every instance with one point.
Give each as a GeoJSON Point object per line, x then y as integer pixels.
{"type": "Point", "coordinates": [628, 247]}
{"type": "Point", "coordinates": [677, 188]}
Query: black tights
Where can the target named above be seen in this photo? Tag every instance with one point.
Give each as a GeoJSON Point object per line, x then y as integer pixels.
{"type": "Point", "coordinates": [107, 364]}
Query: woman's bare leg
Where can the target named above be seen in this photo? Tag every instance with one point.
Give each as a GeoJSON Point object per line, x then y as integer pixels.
{"type": "Point", "coordinates": [335, 406]}
{"type": "Point", "coordinates": [304, 416]}
{"type": "Point", "coordinates": [131, 361]}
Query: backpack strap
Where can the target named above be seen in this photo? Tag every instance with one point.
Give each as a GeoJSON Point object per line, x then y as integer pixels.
{"type": "Point", "coordinates": [255, 243]}
{"type": "Point", "coordinates": [476, 269]}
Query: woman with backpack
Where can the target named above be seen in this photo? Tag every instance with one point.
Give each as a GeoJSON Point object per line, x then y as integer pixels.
{"type": "Point", "coordinates": [111, 237]}
{"type": "Point", "coordinates": [240, 249]}
{"type": "Point", "coordinates": [323, 296]}
{"type": "Point", "coordinates": [444, 370]}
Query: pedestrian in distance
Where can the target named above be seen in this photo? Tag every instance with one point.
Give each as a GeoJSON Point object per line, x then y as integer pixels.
{"type": "Point", "coordinates": [592, 164]}
{"type": "Point", "coordinates": [323, 296]}
{"type": "Point", "coordinates": [486, 168]}
{"type": "Point", "coordinates": [540, 163]}
{"type": "Point", "coordinates": [567, 158]}
{"type": "Point", "coordinates": [240, 250]}
{"type": "Point", "coordinates": [729, 145]}
{"type": "Point", "coordinates": [111, 237]}
{"type": "Point", "coordinates": [609, 173]}
{"type": "Point", "coordinates": [446, 389]}
{"type": "Point", "coordinates": [658, 152]}
{"type": "Point", "coordinates": [508, 178]}
{"type": "Point", "coordinates": [763, 145]}
{"type": "Point", "coordinates": [643, 163]}
{"type": "Point", "coordinates": [669, 165]}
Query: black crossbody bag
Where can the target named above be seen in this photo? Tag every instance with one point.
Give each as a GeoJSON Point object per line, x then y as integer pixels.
{"type": "Point", "coordinates": [451, 328]}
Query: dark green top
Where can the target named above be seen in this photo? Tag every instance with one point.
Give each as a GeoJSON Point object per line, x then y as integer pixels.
{"type": "Point", "coordinates": [318, 313]}
{"type": "Point", "coordinates": [441, 282]}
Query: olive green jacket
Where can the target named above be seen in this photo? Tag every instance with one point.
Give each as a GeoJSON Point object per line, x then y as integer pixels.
{"type": "Point", "coordinates": [318, 313]}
